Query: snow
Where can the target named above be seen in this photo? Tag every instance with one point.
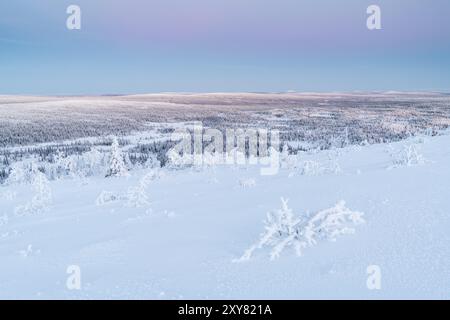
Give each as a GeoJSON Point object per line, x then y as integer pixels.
{"type": "Point", "coordinates": [138, 236]}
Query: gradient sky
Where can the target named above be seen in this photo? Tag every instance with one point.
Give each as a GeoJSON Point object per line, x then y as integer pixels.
{"type": "Point", "coordinates": [138, 46]}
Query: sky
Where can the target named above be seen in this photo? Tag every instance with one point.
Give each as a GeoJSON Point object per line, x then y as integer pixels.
{"type": "Point", "coordinates": [145, 46]}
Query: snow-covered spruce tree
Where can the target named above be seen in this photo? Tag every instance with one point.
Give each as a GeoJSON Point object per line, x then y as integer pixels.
{"type": "Point", "coordinates": [117, 166]}
{"type": "Point", "coordinates": [289, 160]}
{"type": "Point", "coordinates": [58, 168]}
{"type": "Point", "coordinates": [283, 229]}
{"type": "Point", "coordinates": [152, 162]}
{"type": "Point", "coordinates": [66, 166]}
{"type": "Point", "coordinates": [284, 157]}
{"type": "Point", "coordinates": [408, 157]}
{"type": "Point", "coordinates": [137, 196]}
{"type": "Point", "coordinates": [42, 197]}
{"type": "Point", "coordinates": [16, 175]}
{"type": "Point", "coordinates": [92, 162]}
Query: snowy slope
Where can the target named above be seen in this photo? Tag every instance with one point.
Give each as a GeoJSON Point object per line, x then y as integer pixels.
{"type": "Point", "coordinates": [183, 244]}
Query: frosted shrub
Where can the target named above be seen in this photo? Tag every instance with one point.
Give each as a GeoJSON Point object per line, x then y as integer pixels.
{"type": "Point", "coordinates": [284, 230]}
{"type": "Point", "coordinates": [285, 158]}
{"type": "Point", "coordinates": [178, 161]}
{"type": "Point", "coordinates": [29, 251]}
{"type": "Point", "coordinates": [93, 162]}
{"type": "Point", "coordinates": [69, 166]}
{"type": "Point", "coordinates": [117, 166]}
{"type": "Point", "coordinates": [409, 156]}
{"type": "Point", "coordinates": [290, 161]}
{"type": "Point", "coordinates": [77, 166]}
{"type": "Point", "coordinates": [42, 197]}
{"type": "Point", "coordinates": [137, 196]}
{"type": "Point", "coordinates": [278, 225]}
{"type": "Point", "coordinates": [17, 175]}
{"type": "Point", "coordinates": [152, 162]}
{"type": "Point", "coordinates": [21, 172]}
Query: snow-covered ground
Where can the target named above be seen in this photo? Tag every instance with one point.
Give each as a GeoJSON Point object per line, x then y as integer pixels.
{"type": "Point", "coordinates": [172, 234]}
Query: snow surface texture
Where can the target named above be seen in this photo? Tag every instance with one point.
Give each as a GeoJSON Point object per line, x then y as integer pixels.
{"type": "Point", "coordinates": [170, 234]}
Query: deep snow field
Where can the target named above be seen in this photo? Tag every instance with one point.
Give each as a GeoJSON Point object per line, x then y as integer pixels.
{"type": "Point", "coordinates": [185, 242]}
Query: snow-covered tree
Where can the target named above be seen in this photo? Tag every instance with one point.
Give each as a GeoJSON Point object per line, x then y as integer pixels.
{"type": "Point", "coordinates": [407, 157]}
{"type": "Point", "coordinates": [137, 196]}
{"type": "Point", "coordinates": [284, 156]}
{"type": "Point", "coordinates": [92, 162]}
{"type": "Point", "coordinates": [287, 160]}
{"type": "Point", "coordinates": [283, 229]}
{"type": "Point", "coordinates": [152, 162]}
{"type": "Point", "coordinates": [42, 197]}
{"type": "Point", "coordinates": [66, 166]}
{"type": "Point", "coordinates": [117, 166]}
{"type": "Point", "coordinates": [17, 174]}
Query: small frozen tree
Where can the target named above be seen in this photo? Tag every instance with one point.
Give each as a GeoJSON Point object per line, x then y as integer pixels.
{"type": "Point", "coordinates": [16, 175]}
{"type": "Point", "coordinates": [278, 225]}
{"type": "Point", "coordinates": [409, 156]}
{"type": "Point", "coordinates": [284, 157]}
{"type": "Point", "coordinates": [58, 169]}
{"type": "Point", "coordinates": [152, 162]}
{"type": "Point", "coordinates": [137, 196]}
{"type": "Point", "coordinates": [117, 166]}
{"type": "Point", "coordinates": [289, 160]}
{"type": "Point", "coordinates": [413, 156]}
{"type": "Point", "coordinates": [65, 165]}
{"type": "Point", "coordinates": [92, 162]}
{"type": "Point", "coordinates": [283, 229]}
{"type": "Point", "coordinates": [42, 197]}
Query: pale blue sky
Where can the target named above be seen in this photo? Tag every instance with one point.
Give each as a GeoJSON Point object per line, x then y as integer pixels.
{"type": "Point", "coordinates": [138, 46]}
